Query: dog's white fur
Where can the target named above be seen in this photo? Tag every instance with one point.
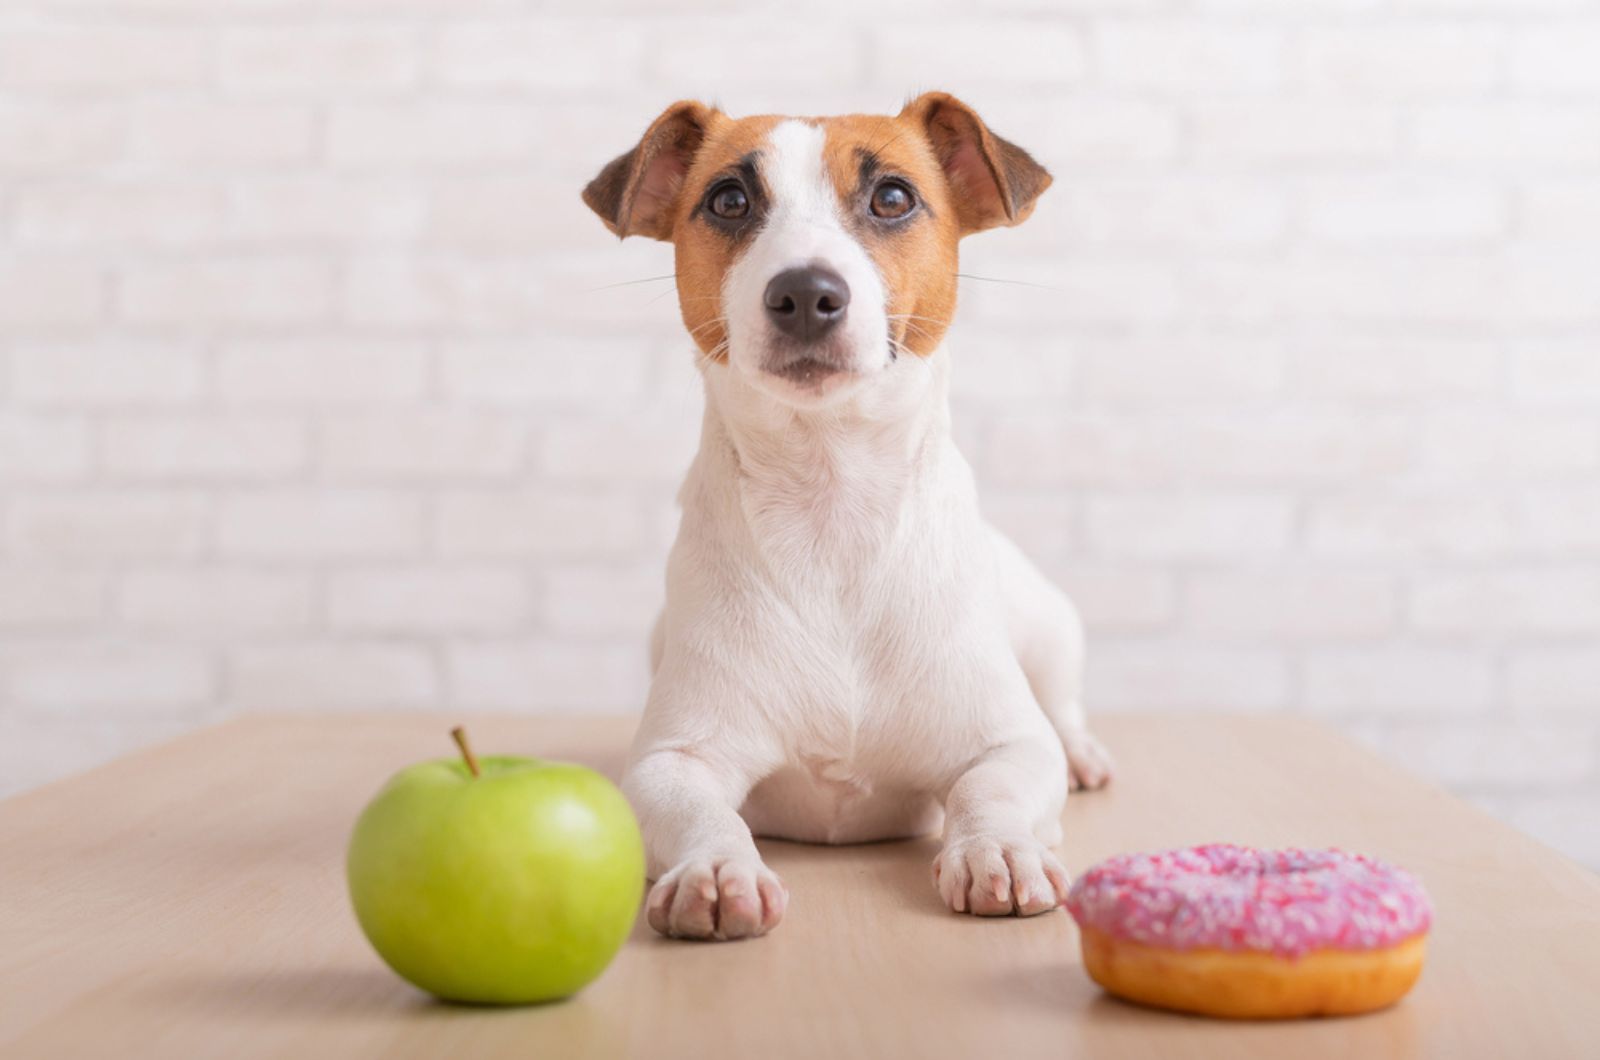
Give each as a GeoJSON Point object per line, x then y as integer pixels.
{"type": "Point", "coordinates": [848, 651]}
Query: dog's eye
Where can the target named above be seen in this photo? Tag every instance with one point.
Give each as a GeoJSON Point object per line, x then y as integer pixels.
{"type": "Point", "coordinates": [729, 202]}
{"type": "Point", "coordinates": [892, 199]}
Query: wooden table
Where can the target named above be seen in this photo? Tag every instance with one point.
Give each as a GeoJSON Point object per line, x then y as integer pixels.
{"type": "Point", "coordinates": [189, 902]}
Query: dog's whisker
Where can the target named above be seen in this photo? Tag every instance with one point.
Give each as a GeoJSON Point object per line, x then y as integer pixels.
{"type": "Point", "coordinates": [710, 323]}
{"type": "Point", "coordinates": [630, 283]}
{"type": "Point", "coordinates": [913, 316]}
{"type": "Point", "coordinates": [1017, 283]}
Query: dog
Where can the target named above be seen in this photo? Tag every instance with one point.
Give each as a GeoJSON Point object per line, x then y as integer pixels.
{"type": "Point", "coordinates": [848, 651]}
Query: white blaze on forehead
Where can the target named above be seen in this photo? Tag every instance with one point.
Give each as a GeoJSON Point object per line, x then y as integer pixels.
{"type": "Point", "coordinates": [796, 177]}
{"type": "Point", "coordinates": [804, 225]}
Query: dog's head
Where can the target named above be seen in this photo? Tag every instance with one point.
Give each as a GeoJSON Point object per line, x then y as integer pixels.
{"type": "Point", "coordinates": [812, 252]}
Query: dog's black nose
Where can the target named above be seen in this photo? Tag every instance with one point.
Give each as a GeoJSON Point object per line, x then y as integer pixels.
{"type": "Point", "coordinates": [805, 303]}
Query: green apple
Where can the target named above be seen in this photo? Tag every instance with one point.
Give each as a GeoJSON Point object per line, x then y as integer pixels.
{"type": "Point", "coordinates": [505, 881]}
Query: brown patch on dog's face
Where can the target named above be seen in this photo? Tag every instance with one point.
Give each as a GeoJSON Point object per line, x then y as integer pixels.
{"type": "Point", "coordinates": [707, 244]}
{"type": "Point", "coordinates": [880, 167]}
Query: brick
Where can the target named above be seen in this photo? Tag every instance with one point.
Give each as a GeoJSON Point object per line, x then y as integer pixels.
{"type": "Point", "coordinates": [518, 212]}
{"type": "Point", "coordinates": [1181, 371]}
{"type": "Point", "coordinates": [1288, 605]}
{"type": "Point", "coordinates": [1485, 445]}
{"type": "Point", "coordinates": [447, 134]}
{"type": "Point", "coordinates": [654, 448]}
{"type": "Point", "coordinates": [49, 138]}
{"type": "Point", "coordinates": [1300, 131]}
{"type": "Point", "coordinates": [546, 674]}
{"type": "Point", "coordinates": [36, 448]}
{"type": "Point", "coordinates": [227, 291]}
{"type": "Point", "coordinates": [332, 675]}
{"type": "Point", "coordinates": [125, 676]}
{"type": "Point", "coordinates": [1095, 132]}
{"type": "Point", "coordinates": [1552, 680]}
{"type": "Point", "coordinates": [1365, 368]}
{"type": "Point", "coordinates": [1520, 7]}
{"type": "Point", "coordinates": [1399, 679]}
{"type": "Point", "coordinates": [204, 601]}
{"type": "Point", "coordinates": [1188, 55]}
{"type": "Point", "coordinates": [1043, 525]}
{"type": "Point", "coordinates": [1522, 133]}
{"type": "Point", "coordinates": [326, 371]}
{"type": "Point", "coordinates": [1184, 210]}
{"type": "Point", "coordinates": [211, 447]}
{"type": "Point", "coordinates": [1154, 449]}
{"type": "Point", "coordinates": [1409, 528]}
{"type": "Point", "coordinates": [1556, 372]}
{"type": "Point", "coordinates": [104, 212]}
{"type": "Point", "coordinates": [108, 524]}
{"type": "Point", "coordinates": [1509, 602]}
{"type": "Point", "coordinates": [548, 53]}
{"type": "Point", "coordinates": [40, 597]}
{"type": "Point", "coordinates": [601, 293]}
{"type": "Point", "coordinates": [422, 446]}
{"type": "Point", "coordinates": [1559, 519]}
{"type": "Point", "coordinates": [50, 293]}
{"type": "Point", "coordinates": [959, 53]}
{"type": "Point", "coordinates": [1552, 290]}
{"type": "Point", "coordinates": [1438, 290]}
{"type": "Point", "coordinates": [1559, 210]}
{"type": "Point", "coordinates": [409, 599]}
{"type": "Point", "coordinates": [1172, 526]}
{"type": "Point", "coordinates": [558, 371]}
{"type": "Point", "coordinates": [1489, 753]}
{"type": "Point", "coordinates": [548, 523]}
{"type": "Point", "coordinates": [444, 293]}
{"type": "Point", "coordinates": [318, 209]}
{"type": "Point", "coordinates": [106, 374]}
{"type": "Point", "coordinates": [102, 59]}
{"type": "Point", "coordinates": [582, 599]}
{"type": "Point", "coordinates": [1114, 600]}
{"type": "Point", "coordinates": [1398, 61]}
{"type": "Point", "coordinates": [1103, 291]}
{"type": "Point", "coordinates": [182, 133]}
{"type": "Point", "coordinates": [1162, 675]}
{"type": "Point", "coordinates": [308, 524]}
{"type": "Point", "coordinates": [1558, 57]}
{"type": "Point", "coordinates": [317, 59]}
{"type": "Point", "coordinates": [1406, 211]}
{"type": "Point", "coordinates": [694, 53]}
{"type": "Point", "coordinates": [1001, 368]}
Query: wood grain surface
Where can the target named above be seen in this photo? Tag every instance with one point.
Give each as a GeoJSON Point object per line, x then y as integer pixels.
{"type": "Point", "coordinates": [189, 902]}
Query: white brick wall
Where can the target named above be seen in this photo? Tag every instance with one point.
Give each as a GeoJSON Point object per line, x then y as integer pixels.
{"type": "Point", "coordinates": [317, 389]}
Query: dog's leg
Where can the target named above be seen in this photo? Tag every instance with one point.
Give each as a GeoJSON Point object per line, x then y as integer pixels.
{"type": "Point", "coordinates": [710, 882]}
{"type": "Point", "coordinates": [1047, 635]}
{"type": "Point", "coordinates": [994, 861]}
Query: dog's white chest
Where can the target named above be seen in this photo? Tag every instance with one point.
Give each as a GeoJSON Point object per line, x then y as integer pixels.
{"type": "Point", "coordinates": [839, 777]}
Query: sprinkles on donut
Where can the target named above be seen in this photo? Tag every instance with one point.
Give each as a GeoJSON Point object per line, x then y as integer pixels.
{"type": "Point", "coordinates": [1232, 931]}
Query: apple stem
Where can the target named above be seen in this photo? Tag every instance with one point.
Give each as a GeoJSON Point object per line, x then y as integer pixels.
{"type": "Point", "coordinates": [459, 735]}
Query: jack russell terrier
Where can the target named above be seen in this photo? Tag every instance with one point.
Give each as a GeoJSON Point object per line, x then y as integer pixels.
{"type": "Point", "coordinates": [848, 652]}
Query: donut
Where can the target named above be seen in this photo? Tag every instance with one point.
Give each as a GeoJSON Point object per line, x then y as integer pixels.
{"type": "Point", "coordinates": [1231, 931]}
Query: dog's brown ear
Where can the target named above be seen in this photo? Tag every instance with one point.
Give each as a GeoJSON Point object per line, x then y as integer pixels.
{"type": "Point", "coordinates": [637, 192]}
{"type": "Point", "coordinates": [993, 181]}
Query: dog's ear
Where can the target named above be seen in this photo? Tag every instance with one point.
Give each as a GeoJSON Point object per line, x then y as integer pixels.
{"type": "Point", "coordinates": [993, 181]}
{"type": "Point", "coordinates": [637, 192]}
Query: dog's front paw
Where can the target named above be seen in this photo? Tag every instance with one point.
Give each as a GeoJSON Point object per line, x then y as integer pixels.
{"type": "Point", "coordinates": [1089, 764]}
{"type": "Point", "coordinates": [990, 876]}
{"type": "Point", "coordinates": [733, 898]}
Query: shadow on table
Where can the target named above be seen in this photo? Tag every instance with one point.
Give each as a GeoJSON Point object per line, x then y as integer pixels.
{"type": "Point", "coordinates": [1105, 1024]}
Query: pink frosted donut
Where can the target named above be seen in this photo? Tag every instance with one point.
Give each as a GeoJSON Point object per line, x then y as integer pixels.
{"type": "Point", "coordinates": [1232, 931]}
